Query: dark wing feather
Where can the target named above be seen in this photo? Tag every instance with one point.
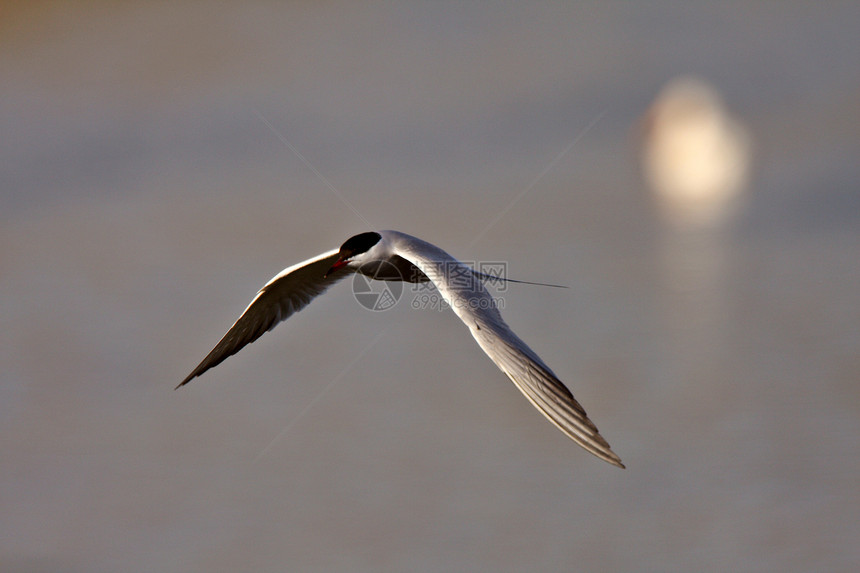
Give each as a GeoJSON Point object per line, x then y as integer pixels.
{"type": "Point", "coordinates": [288, 292]}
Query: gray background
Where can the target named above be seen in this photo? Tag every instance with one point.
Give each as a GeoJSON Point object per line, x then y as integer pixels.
{"type": "Point", "coordinates": [144, 198]}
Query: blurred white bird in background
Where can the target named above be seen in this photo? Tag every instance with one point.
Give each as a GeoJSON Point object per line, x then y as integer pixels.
{"type": "Point", "coordinates": [695, 155]}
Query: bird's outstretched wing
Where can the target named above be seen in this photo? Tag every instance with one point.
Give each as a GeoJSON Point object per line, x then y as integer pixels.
{"type": "Point", "coordinates": [475, 307]}
{"type": "Point", "coordinates": [288, 292]}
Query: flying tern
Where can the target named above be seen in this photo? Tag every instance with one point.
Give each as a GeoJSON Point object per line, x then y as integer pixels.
{"type": "Point", "coordinates": [391, 255]}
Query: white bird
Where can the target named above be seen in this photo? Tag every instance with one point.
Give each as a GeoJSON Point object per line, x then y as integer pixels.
{"type": "Point", "coordinates": [391, 255]}
{"type": "Point", "coordinates": [696, 155]}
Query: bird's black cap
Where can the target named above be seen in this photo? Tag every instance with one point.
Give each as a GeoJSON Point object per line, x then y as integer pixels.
{"type": "Point", "coordinates": [360, 243]}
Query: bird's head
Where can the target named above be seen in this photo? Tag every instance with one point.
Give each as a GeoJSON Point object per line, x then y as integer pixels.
{"type": "Point", "coordinates": [356, 251]}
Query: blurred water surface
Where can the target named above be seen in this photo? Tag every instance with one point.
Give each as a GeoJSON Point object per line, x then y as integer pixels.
{"type": "Point", "coordinates": [147, 191]}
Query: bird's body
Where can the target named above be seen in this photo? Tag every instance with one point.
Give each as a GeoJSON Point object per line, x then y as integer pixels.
{"type": "Point", "coordinates": [391, 255]}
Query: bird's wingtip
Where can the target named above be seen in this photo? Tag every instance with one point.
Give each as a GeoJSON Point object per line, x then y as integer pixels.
{"type": "Point", "coordinates": [615, 460]}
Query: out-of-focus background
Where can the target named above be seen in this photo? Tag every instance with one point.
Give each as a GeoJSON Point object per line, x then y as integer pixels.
{"type": "Point", "coordinates": [160, 161]}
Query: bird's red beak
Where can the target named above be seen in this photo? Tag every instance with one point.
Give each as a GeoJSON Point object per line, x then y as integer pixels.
{"type": "Point", "coordinates": [337, 265]}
